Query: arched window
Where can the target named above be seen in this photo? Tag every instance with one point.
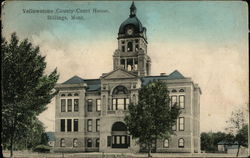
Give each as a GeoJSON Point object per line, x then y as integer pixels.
{"type": "Point", "coordinates": [166, 143]}
{"type": "Point", "coordinates": [76, 94]}
{"type": "Point", "coordinates": [130, 46]}
{"type": "Point", "coordinates": [75, 142]}
{"type": "Point", "coordinates": [174, 91]}
{"type": "Point", "coordinates": [119, 126]}
{"type": "Point", "coordinates": [181, 90]}
{"type": "Point", "coordinates": [62, 142]}
{"type": "Point", "coordinates": [97, 143]}
{"type": "Point", "coordinates": [120, 90]}
{"type": "Point", "coordinates": [62, 95]}
{"type": "Point", "coordinates": [69, 94]}
{"type": "Point", "coordinates": [181, 143]}
{"type": "Point", "coordinates": [120, 99]}
{"type": "Point", "coordinates": [89, 142]}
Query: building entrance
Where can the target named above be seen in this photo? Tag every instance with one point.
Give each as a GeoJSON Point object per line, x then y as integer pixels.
{"type": "Point", "coordinates": [120, 138]}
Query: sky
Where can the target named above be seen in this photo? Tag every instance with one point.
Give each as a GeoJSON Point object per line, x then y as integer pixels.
{"type": "Point", "coordinates": [204, 40]}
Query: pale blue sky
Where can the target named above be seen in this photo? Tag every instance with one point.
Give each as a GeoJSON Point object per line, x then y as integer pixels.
{"type": "Point", "coordinates": [204, 40]}
{"type": "Point", "coordinates": [208, 21]}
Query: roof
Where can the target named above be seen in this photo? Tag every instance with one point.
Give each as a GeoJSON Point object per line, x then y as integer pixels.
{"type": "Point", "coordinates": [95, 84]}
{"type": "Point", "coordinates": [92, 84]}
{"type": "Point", "coordinates": [131, 21]}
{"type": "Point", "coordinates": [51, 136]}
{"type": "Point", "coordinates": [74, 80]}
{"type": "Point", "coordinates": [227, 143]}
{"type": "Point", "coordinates": [174, 75]}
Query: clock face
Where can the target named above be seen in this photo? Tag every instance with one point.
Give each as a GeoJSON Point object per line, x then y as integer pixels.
{"type": "Point", "coordinates": [130, 31]}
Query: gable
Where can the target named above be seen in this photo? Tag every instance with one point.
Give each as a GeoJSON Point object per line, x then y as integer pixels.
{"type": "Point", "coordinates": [119, 74]}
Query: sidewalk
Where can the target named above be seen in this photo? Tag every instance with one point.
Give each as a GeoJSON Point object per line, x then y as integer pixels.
{"type": "Point", "coordinates": [27, 154]}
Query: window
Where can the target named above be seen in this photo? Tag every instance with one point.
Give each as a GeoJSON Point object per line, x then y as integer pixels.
{"type": "Point", "coordinates": [62, 95]}
{"type": "Point", "coordinates": [69, 105]}
{"type": "Point", "coordinates": [98, 105]}
{"type": "Point", "coordinates": [97, 142]}
{"type": "Point", "coordinates": [173, 100]}
{"type": "Point", "coordinates": [126, 103]}
{"type": "Point", "coordinates": [62, 125]}
{"type": "Point", "coordinates": [97, 125]}
{"type": "Point", "coordinates": [75, 125]}
{"type": "Point", "coordinates": [123, 138]}
{"type": "Point", "coordinates": [120, 103]}
{"type": "Point", "coordinates": [69, 125]}
{"type": "Point", "coordinates": [181, 90]}
{"type": "Point", "coordinates": [181, 123]}
{"type": "Point", "coordinates": [89, 125]}
{"type": "Point", "coordinates": [89, 105]}
{"type": "Point", "coordinates": [117, 140]}
{"type": "Point", "coordinates": [166, 143]}
{"type": "Point", "coordinates": [174, 91]}
{"type": "Point", "coordinates": [76, 105]}
{"type": "Point", "coordinates": [182, 101]}
{"type": "Point", "coordinates": [76, 94]}
{"type": "Point", "coordinates": [89, 142]}
{"type": "Point", "coordinates": [69, 94]}
{"type": "Point", "coordinates": [109, 139]}
{"type": "Point", "coordinates": [62, 142]}
{"type": "Point", "coordinates": [63, 105]}
{"type": "Point", "coordinates": [181, 143]}
{"type": "Point", "coordinates": [130, 46]}
{"type": "Point", "coordinates": [123, 48]}
{"type": "Point", "coordinates": [75, 142]}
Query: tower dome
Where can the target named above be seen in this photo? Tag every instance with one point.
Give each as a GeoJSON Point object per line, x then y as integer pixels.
{"type": "Point", "coordinates": [132, 21]}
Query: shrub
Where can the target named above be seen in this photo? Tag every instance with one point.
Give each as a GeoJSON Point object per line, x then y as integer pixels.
{"type": "Point", "coordinates": [42, 148]}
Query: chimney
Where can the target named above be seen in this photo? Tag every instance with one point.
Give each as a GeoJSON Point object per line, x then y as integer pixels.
{"type": "Point", "coordinates": [163, 74]}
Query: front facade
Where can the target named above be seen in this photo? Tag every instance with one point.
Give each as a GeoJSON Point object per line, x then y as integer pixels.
{"type": "Point", "coordinates": [90, 112]}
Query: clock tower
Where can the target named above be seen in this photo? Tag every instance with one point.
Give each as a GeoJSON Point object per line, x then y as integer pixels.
{"type": "Point", "coordinates": [131, 54]}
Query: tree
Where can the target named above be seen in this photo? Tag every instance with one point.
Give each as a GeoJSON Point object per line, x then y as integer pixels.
{"type": "Point", "coordinates": [26, 88]}
{"type": "Point", "coordinates": [210, 140]}
{"type": "Point", "coordinates": [238, 127]}
{"type": "Point", "coordinates": [152, 117]}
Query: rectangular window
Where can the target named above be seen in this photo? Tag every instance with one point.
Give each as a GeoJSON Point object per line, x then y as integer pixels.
{"type": "Point", "coordinates": [75, 125]}
{"type": "Point", "coordinates": [120, 104]}
{"type": "Point", "coordinates": [123, 140]}
{"type": "Point", "coordinates": [62, 125]}
{"type": "Point", "coordinates": [69, 125]}
{"type": "Point", "coordinates": [114, 104]}
{"type": "Point", "coordinates": [98, 105]}
{"type": "Point", "coordinates": [63, 105]}
{"type": "Point", "coordinates": [117, 139]}
{"type": "Point", "coordinates": [181, 124]}
{"type": "Point", "coordinates": [69, 105]}
{"type": "Point", "coordinates": [126, 104]}
{"type": "Point", "coordinates": [97, 125]}
{"type": "Point", "coordinates": [89, 105]}
{"type": "Point", "coordinates": [173, 100]}
{"type": "Point", "coordinates": [109, 139]}
{"type": "Point", "coordinates": [76, 105]}
{"type": "Point", "coordinates": [182, 101]}
{"type": "Point", "coordinates": [89, 125]}
{"type": "Point", "coordinates": [123, 48]}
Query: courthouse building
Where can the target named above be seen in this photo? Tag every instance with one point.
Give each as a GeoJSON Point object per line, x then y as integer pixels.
{"type": "Point", "coordinates": [90, 112]}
